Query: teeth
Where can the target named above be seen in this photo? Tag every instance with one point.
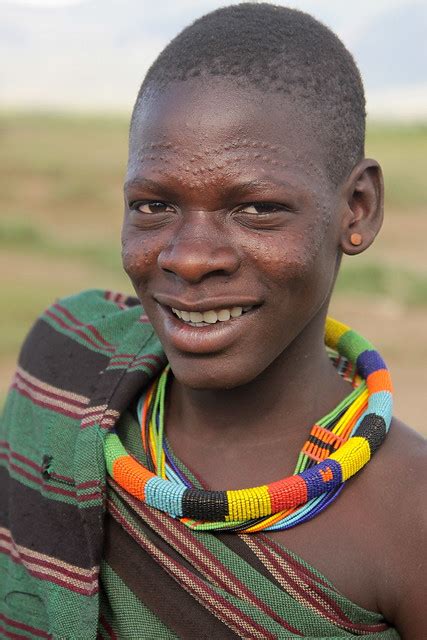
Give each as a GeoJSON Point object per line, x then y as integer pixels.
{"type": "Point", "coordinates": [224, 315]}
{"type": "Point", "coordinates": [236, 312]}
{"type": "Point", "coordinates": [210, 317]}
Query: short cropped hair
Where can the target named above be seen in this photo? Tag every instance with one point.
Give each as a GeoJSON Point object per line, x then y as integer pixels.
{"type": "Point", "coordinates": [279, 51]}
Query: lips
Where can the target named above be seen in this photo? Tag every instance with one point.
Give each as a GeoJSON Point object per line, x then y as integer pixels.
{"type": "Point", "coordinates": [208, 329]}
{"type": "Point", "coordinates": [216, 303]}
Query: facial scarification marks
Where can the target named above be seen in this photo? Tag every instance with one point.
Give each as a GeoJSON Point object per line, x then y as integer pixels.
{"type": "Point", "coordinates": [234, 144]}
{"type": "Point", "coordinates": [315, 169]}
{"type": "Point", "coordinates": [199, 169]}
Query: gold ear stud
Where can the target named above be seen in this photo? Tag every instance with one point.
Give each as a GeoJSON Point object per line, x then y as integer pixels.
{"type": "Point", "coordinates": [356, 239]}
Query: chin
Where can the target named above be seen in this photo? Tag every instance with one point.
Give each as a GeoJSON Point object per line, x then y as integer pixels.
{"type": "Point", "coordinates": [205, 374]}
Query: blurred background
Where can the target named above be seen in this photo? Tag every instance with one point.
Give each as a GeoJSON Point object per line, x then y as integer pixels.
{"type": "Point", "coordinates": [69, 74]}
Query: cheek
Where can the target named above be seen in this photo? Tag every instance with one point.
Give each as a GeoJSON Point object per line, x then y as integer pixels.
{"type": "Point", "coordinates": [139, 256]}
{"type": "Point", "coordinates": [292, 259]}
{"type": "Point", "coordinates": [301, 264]}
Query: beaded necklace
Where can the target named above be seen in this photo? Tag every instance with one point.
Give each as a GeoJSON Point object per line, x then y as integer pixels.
{"type": "Point", "coordinates": [338, 446]}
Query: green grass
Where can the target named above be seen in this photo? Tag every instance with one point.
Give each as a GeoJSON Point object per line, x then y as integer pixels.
{"type": "Point", "coordinates": [406, 287]}
{"type": "Point", "coordinates": [402, 152]}
{"type": "Point", "coordinates": [23, 236]}
{"type": "Point", "coordinates": [63, 172]}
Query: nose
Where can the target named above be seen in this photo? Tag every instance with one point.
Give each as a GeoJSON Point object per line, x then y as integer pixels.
{"type": "Point", "coordinates": [199, 249]}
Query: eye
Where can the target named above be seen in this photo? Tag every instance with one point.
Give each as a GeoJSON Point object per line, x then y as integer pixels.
{"type": "Point", "coordinates": [262, 215]}
{"type": "Point", "coordinates": [262, 208]}
{"type": "Point", "coordinates": [151, 207]}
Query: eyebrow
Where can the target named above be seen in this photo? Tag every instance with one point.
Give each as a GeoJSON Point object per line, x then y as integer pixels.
{"type": "Point", "coordinates": [235, 190]}
{"type": "Point", "coordinates": [158, 189]}
{"type": "Point", "coordinates": [144, 183]}
{"type": "Point", "coordinates": [258, 184]}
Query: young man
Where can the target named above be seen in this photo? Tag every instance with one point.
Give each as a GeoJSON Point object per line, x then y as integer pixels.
{"type": "Point", "coordinates": [246, 183]}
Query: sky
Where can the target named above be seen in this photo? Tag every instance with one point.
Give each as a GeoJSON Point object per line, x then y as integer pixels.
{"type": "Point", "coordinates": [72, 52]}
{"type": "Point", "coordinates": [340, 11]}
{"type": "Point", "coordinates": [337, 7]}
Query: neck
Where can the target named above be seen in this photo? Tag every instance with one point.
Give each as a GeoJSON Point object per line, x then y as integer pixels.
{"type": "Point", "coordinates": [298, 388]}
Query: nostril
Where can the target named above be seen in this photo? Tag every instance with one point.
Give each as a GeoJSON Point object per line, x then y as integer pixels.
{"type": "Point", "coordinates": [194, 261]}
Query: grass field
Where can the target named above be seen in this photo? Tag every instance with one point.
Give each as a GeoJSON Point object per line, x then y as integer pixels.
{"type": "Point", "coordinates": [61, 208]}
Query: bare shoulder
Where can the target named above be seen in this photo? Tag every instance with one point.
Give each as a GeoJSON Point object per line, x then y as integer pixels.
{"type": "Point", "coordinates": [402, 464]}
{"type": "Point", "coordinates": [399, 473]}
{"type": "Point", "coordinates": [396, 480]}
{"type": "Point", "coordinates": [404, 456]}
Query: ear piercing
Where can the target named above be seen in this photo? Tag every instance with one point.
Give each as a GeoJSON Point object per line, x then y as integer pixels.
{"type": "Point", "coordinates": [356, 239]}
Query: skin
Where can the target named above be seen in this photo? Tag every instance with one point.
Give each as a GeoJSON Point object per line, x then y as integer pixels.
{"type": "Point", "coordinates": [204, 159]}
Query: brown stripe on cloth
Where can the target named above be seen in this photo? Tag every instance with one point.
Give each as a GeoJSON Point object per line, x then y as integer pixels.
{"type": "Point", "coordinates": [75, 370]}
{"type": "Point", "coordinates": [42, 524]}
{"type": "Point", "coordinates": [237, 544]}
{"type": "Point", "coordinates": [174, 606]}
{"type": "Point", "coordinates": [44, 567]}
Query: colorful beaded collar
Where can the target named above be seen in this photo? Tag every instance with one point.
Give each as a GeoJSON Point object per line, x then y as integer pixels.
{"type": "Point", "coordinates": [339, 445]}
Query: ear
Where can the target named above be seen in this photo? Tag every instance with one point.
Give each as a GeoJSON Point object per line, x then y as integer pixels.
{"type": "Point", "coordinates": [363, 192]}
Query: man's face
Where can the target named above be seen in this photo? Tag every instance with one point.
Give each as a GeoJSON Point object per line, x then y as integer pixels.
{"type": "Point", "coordinates": [230, 234]}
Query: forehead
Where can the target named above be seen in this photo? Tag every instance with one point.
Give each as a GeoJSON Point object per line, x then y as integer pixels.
{"type": "Point", "coordinates": [205, 127]}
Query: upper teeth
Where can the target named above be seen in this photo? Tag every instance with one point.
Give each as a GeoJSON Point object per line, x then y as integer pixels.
{"type": "Point", "coordinates": [210, 317]}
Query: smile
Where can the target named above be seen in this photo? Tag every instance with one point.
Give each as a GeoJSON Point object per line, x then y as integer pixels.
{"type": "Point", "coordinates": [205, 318]}
{"type": "Point", "coordinates": [206, 327]}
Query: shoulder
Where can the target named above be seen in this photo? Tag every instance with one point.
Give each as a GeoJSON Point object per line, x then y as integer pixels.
{"type": "Point", "coordinates": [402, 468]}
{"type": "Point", "coordinates": [91, 308]}
{"type": "Point", "coordinates": [398, 474]}
{"type": "Point", "coordinates": [62, 363]}
{"type": "Point", "coordinates": [402, 461]}
{"type": "Point", "coordinates": [91, 321]}
{"type": "Point", "coordinates": [68, 347]}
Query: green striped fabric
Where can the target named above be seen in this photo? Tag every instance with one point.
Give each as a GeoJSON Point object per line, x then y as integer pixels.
{"type": "Point", "coordinates": [83, 361]}
{"type": "Point", "coordinates": [82, 366]}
